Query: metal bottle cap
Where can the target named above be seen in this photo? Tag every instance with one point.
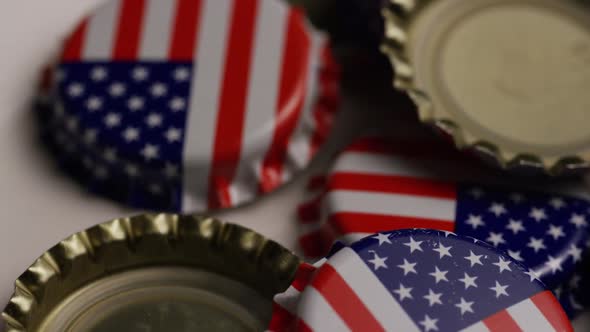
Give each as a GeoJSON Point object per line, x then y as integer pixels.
{"type": "Point", "coordinates": [153, 272]}
{"type": "Point", "coordinates": [507, 79]}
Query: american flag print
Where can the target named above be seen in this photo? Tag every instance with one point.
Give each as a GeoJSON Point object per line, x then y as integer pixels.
{"type": "Point", "coordinates": [229, 97]}
{"type": "Point", "coordinates": [378, 184]}
{"type": "Point", "coordinates": [425, 280]}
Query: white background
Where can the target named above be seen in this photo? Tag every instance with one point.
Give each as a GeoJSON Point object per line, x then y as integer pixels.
{"type": "Point", "coordinates": [38, 207]}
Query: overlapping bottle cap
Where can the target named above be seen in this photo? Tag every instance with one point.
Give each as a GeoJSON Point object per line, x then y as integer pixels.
{"type": "Point", "coordinates": [380, 184]}
{"type": "Point", "coordinates": [153, 272]}
{"type": "Point", "coordinates": [422, 280]}
{"type": "Point", "coordinates": [191, 105]}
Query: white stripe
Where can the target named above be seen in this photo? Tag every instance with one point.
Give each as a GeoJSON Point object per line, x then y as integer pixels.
{"type": "Point", "coordinates": [206, 88]}
{"type": "Point", "coordinates": [391, 205]}
{"type": "Point", "coordinates": [157, 30]}
{"type": "Point", "coordinates": [289, 299]}
{"type": "Point", "coordinates": [320, 316]}
{"type": "Point", "coordinates": [369, 289]}
{"type": "Point", "coordinates": [263, 93]}
{"type": "Point", "coordinates": [300, 144]}
{"type": "Point", "coordinates": [477, 327]}
{"type": "Point", "coordinates": [529, 317]}
{"type": "Point", "coordinates": [102, 27]}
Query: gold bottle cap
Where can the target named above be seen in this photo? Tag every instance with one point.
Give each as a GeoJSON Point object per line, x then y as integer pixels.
{"type": "Point", "coordinates": [153, 273]}
{"type": "Point", "coordinates": [506, 78]}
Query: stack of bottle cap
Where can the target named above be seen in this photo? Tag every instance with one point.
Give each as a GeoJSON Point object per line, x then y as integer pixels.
{"type": "Point", "coordinates": [189, 105]}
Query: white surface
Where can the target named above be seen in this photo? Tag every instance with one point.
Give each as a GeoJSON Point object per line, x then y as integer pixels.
{"type": "Point", "coordinates": [38, 206]}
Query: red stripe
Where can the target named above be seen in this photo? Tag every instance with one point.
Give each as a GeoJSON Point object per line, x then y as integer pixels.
{"type": "Point", "coordinates": [310, 211]}
{"type": "Point", "coordinates": [501, 322]}
{"type": "Point", "coordinates": [424, 148]}
{"type": "Point", "coordinates": [303, 276]}
{"type": "Point", "coordinates": [347, 222]}
{"type": "Point", "coordinates": [317, 243]}
{"type": "Point", "coordinates": [344, 300]}
{"type": "Point", "coordinates": [128, 35]}
{"type": "Point", "coordinates": [75, 43]}
{"type": "Point", "coordinates": [392, 184]}
{"type": "Point", "coordinates": [292, 93]}
{"type": "Point", "coordinates": [185, 31]}
{"type": "Point", "coordinates": [232, 105]}
{"type": "Point", "coordinates": [301, 326]}
{"type": "Point", "coordinates": [281, 320]}
{"type": "Point", "coordinates": [317, 182]}
{"type": "Point", "coordinates": [551, 309]}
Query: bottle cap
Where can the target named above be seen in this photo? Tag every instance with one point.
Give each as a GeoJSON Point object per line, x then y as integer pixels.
{"type": "Point", "coordinates": [380, 184]}
{"type": "Point", "coordinates": [505, 79]}
{"type": "Point", "coordinates": [153, 272]}
{"type": "Point", "coordinates": [399, 281]}
{"type": "Point", "coordinates": [191, 105]}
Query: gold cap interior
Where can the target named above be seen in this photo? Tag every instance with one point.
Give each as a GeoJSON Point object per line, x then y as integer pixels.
{"type": "Point", "coordinates": [153, 273]}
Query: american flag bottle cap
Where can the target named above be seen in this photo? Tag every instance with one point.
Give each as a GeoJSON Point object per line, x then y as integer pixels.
{"type": "Point", "coordinates": [153, 273]}
{"type": "Point", "coordinates": [192, 105]}
{"type": "Point", "coordinates": [505, 80]}
{"type": "Point", "coordinates": [421, 280]}
{"type": "Point", "coordinates": [381, 183]}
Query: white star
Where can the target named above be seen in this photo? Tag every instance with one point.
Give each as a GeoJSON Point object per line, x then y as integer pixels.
{"type": "Point", "coordinates": [117, 89]}
{"type": "Point", "coordinates": [516, 198]}
{"type": "Point", "coordinates": [181, 74]}
{"type": "Point", "coordinates": [557, 203]}
{"type": "Point", "coordinates": [469, 281]}
{"type": "Point", "coordinates": [403, 292]}
{"type": "Point", "coordinates": [140, 74]}
{"type": "Point", "coordinates": [503, 265]}
{"type": "Point", "coordinates": [90, 136]}
{"type": "Point", "coordinates": [429, 324]}
{"type": "Point", "coordinates": [72, 124]}
{"type": "Point", "coordinates": [98, 74]}
{"type": "Point", "coordinates": [536, 244]}
{"type": "Point", "coordinates": [554, 263]}
{"type": "Point", "coordinates": [112, 120]}
{"type": "Point", "coordinates": [154, 120]}
{"type": "Point", "coordinates": [515, 255]}
{"type": "Point", "coordinates": [378, 262]}
{"type": "Point", "coordinates": [575, 252]}
{"type": "Point", "coordinates": [155, 189]}
{"type": "Point", "coordinates": [465, 306]}
{"type": "Point", "coordinates": [575, 282]}
{"type": "Point", "coordinates": [150, 152]}
{"type": "Point", "coordinates": [131, 170]}
{"type": "Point", "coordinates": [558, 291]}
{"type": "Point", "coordinates": [171, 171]}
{"type": "Point", "coordinates": [500, 289]}
{"type": "Point", "coordinates": [110, 155]}
{"type": "Point", "coordinates": [159, 89]}
{"type": "Point", "coordinates": [382, 238]}
{"type": "Point", "coordinates": [496, 239]}
{"type": "Point", "coordinates": [177, 104]}
{"type": "Point", "coordinates": [173, 135]}
{"type": "Point", "coordinates": [75, 90]}
{"type": "Point", "coordinates": [533, 275]}
{"type": "Point", "coordinates": [439, 275]}
{"type": "Point", "coordinates": [131, 134]}
{"type": "Point", "coordinates": [477, 193]}
{"type": "Point", "coordinates": [515, 226]}
{"type": "Point", "coordinates": [497, 209]}
{"type": "Point", "coordinates": [433, 298]}
{"type": "Point", "coordinates": [578, 220]}
{"type": "Point", "coordinates": [135, 103]}
{"type": "Point", "coordinates": [408, 267]}
{"type": "Point", "coordinates": [538, 214]}
{"type": "Point", "coordinates": [474, 259]}
{"type": "Point", "coordinates": [443, 251]}
{"type": "Point", "coordinates": [414, 245]}
{"type": "Point", "coordinates": [475, 221]}
{"type": "Point", "coordinates": [94, 103]}
{"type": "Point", "coordinates": [556, 232]}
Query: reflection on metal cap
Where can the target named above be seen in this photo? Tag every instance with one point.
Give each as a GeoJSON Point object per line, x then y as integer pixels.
{"type": "Point", "coordinates": [507, 79]}
{"type": "Point", "coordinates": [167, 272]}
